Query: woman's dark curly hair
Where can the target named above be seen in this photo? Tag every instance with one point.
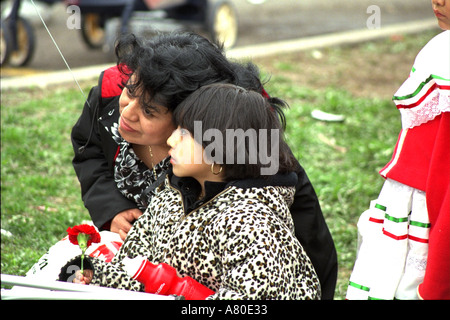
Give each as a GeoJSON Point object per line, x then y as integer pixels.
{"type": "Point", "coordinates": [170, 66]}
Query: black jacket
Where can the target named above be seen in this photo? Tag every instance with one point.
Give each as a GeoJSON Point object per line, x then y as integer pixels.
{"type": "Point", "coordinates": [95, 153]}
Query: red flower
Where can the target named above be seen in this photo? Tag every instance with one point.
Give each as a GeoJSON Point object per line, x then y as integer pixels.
{"type": "Point", "coordinates": [83, 235]}
{"type": "Point", "coordinates": [92, 236]}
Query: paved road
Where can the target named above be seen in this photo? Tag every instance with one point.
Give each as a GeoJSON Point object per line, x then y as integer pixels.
{"type": "Point", "coordinates": [272, 21]}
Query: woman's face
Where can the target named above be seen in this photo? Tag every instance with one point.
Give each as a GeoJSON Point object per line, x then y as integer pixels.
{"type": "Point", "coordinates": [143, 125]}
{"type": "Point", "coordinates": [187, 156]}
{"type": "Point", "coordinates": [441, 10]}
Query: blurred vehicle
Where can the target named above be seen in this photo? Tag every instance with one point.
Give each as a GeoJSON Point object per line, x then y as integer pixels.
{"type": "Point", "coordinates": [17, 37]}
{"type": "Point", "coordinates": [103, 20]}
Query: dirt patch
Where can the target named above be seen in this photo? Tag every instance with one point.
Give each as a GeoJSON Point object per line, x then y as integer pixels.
{"type": "Point", "coordinates": [373, 70]}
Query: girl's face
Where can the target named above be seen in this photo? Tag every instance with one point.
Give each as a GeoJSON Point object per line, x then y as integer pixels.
{"type": "Point", "coordinates": [143, 125]}
{"type": "Point", "coordinates": [441, 9]}
{"type": "Point", "coordinates": [187, 157]}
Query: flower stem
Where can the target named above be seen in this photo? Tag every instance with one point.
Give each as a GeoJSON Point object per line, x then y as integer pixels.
{"type": "Point", "coordinates": [82, 260]}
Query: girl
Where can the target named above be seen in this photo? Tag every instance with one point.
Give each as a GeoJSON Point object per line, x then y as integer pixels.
{"type": "Point", "coordinates": [404, 253]}
{"type": "Point", "coordinates": [220, 221]}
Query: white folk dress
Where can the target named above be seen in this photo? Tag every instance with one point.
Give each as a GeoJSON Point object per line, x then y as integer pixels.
{"type": "Point", "coordinates": [394, 234]}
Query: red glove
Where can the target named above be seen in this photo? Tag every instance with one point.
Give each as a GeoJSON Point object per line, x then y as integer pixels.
{"type": "Point", "coordinates": [162, 279]}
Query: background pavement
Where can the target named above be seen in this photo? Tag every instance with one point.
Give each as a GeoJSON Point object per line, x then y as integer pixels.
{"type": "Point", "coordinates": [276, 26]}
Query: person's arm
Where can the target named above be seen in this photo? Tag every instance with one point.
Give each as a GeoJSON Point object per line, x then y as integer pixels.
{"type": "Point", "coordinates": [98, 188]}
{"type": "Point", "coordinates": [261, 258]}
{"type": "Point", "coordinates": [98, 272]}
{"type": "Point", "coordinates": [112, 274]}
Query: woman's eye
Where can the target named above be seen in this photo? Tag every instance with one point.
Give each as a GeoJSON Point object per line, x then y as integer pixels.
{"type": "Point", "coordinates": [130, 94]}
{"type": "Point", "coordinates": [148, 112]}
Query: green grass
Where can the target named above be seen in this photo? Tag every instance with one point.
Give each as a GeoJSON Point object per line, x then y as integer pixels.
{"type": "Point", "coordinates": [342, 159]}
{"type": "Point", "coordinates": [40, 195]}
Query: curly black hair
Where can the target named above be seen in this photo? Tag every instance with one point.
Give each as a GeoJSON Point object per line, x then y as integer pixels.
{"type": "Point", "coordinates": [170, 66]}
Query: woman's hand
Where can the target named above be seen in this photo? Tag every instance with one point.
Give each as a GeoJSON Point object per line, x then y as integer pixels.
{"type": "Point", "coordinates": [83, 278]}
{"type": "Point", "coordinates": [122, 222]}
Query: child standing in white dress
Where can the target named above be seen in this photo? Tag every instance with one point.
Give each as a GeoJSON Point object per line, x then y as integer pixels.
{"type": "Point", "coordinates": [404, 245]}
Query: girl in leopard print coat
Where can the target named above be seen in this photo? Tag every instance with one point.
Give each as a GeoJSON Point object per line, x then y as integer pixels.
{"type": "Point", "coordinates": [223, 224]}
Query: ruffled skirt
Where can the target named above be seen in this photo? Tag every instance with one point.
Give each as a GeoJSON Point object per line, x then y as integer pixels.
{"type": "Point", "coordinates": [392, 245]}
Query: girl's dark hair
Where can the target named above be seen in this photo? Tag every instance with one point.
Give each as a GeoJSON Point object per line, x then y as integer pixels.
{"type": "Point", "coordinates": [170, 66]}
{"type": "Point", "coordinates": [248, 77]}
{"type": "Point", "coordinates": [222, 107]}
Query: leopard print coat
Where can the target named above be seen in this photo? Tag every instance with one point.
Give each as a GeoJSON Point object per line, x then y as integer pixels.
{"type": "Point", "coordinates": [240, 244]}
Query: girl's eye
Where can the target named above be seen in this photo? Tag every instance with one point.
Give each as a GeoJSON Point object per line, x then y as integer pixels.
{"type": "Point", "coordinates": [184, 132]}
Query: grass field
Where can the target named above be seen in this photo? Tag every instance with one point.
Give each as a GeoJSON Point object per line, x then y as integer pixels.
{"type": "Point", "coordinates": [40, 195]}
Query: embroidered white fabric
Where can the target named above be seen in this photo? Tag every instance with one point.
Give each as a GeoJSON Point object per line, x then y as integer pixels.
{"type": "Point", "coordinates": [433, 61]}
{"type": "Point", "coordinates": [418, 263]}
{"type": "Point", "coordinates": [431, 107]}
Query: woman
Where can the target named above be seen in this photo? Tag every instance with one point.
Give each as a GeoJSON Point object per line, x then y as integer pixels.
{"type": "Point", "coordinates": [219, 221]}
{"type": "Point", "coordinates": [173, 65]}
{"type": "Point", "coordinates": [404, 253]}
{"type": "Point", "coordinates": [117, 175]}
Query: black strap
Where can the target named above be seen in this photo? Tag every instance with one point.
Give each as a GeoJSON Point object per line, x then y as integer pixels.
{"type": "Point", "coordinates": [156, 184]}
